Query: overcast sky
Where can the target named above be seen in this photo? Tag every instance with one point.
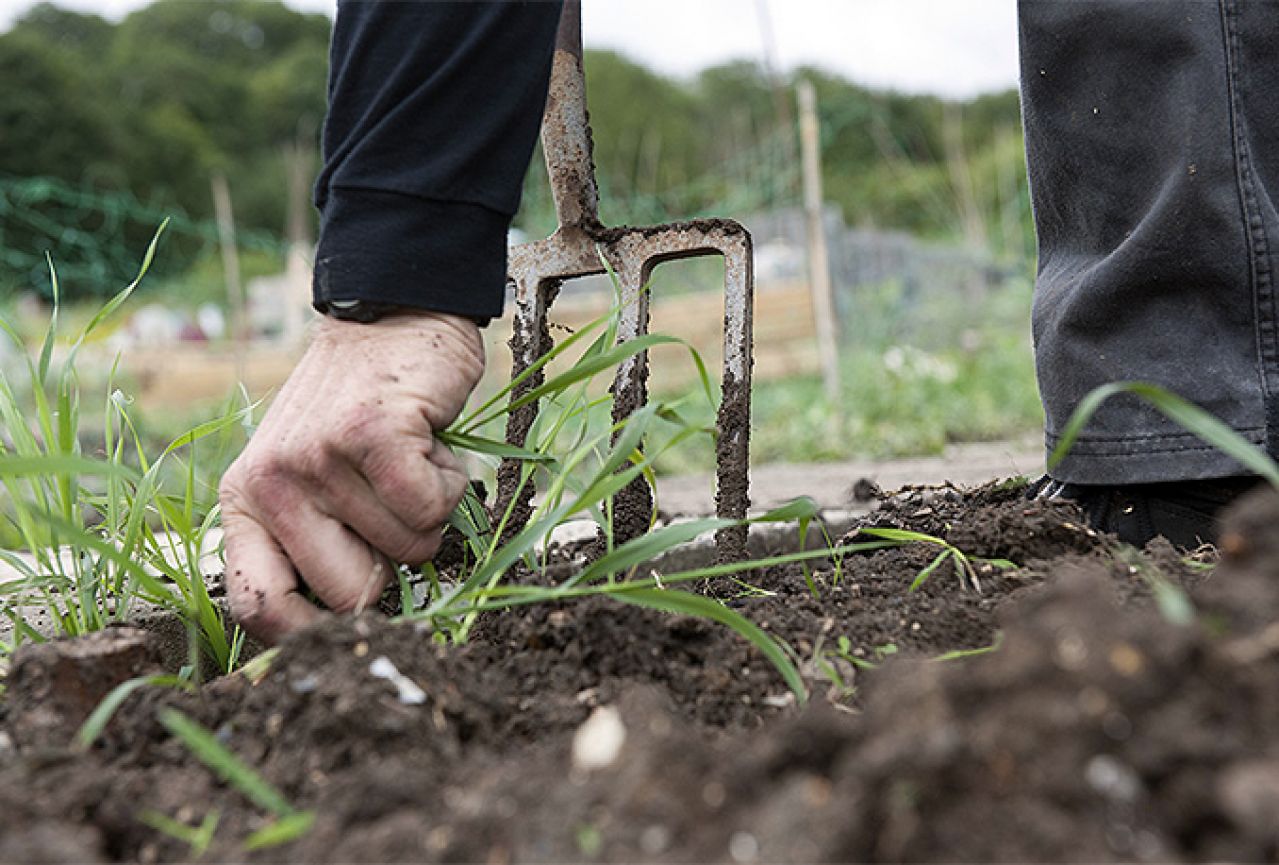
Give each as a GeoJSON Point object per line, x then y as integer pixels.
{"type": "Point", "coordinates": [949, 47]}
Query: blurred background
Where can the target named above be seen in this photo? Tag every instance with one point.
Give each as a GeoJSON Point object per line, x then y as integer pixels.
{"type": "Point", "coordinates": [118, 114]}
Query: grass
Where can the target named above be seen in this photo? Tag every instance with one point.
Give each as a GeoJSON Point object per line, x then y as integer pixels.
{"type": "Point", "coordinates": [106, 533]}
{"type": "Point", "coordinates": [95, 537]}
{"type": "Point", "coordinates": [287, 822]}
{"type": "Point", "coordinates": [915, 377]}
{"type": "Point", "coordinates": [962, 562]}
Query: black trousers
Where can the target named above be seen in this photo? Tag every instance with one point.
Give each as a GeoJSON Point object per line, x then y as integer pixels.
{"type": "Point", "coordinates": [1152, 138]}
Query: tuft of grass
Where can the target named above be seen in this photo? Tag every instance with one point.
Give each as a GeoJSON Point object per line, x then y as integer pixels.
{"type": "Point", "coordinates": [962, 562]}
{"type": "Point", "coordinates": [99, 534]}
{"type": "Point", "coordinates": [578, 458]}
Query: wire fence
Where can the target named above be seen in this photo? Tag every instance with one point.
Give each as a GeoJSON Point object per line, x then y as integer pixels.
{"type": "Point", "coordinates": [96, 237]}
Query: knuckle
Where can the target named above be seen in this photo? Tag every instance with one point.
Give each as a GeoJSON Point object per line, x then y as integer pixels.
{"type": "Point", "coordinates": [261, 476]}
{"type": "Point", "coordinates": [314, 462]}
{"type": "Point", "coordinates": [357, 429]}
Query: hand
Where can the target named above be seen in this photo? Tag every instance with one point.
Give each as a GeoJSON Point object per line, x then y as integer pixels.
{"type": "Point", "coordinates": [344, 476]}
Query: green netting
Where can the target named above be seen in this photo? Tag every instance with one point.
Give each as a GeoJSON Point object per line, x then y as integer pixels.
{"type": "Point", "coordinates": [96, 236]}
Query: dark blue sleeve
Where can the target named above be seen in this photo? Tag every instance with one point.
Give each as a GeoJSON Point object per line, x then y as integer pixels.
{"type": "Point", "coordinates": [434, 108]}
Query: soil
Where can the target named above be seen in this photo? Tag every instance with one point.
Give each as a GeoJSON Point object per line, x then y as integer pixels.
{"type": "Point", "coordinates": [1103, 727]}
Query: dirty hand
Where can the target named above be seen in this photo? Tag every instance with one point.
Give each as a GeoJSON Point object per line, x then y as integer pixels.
{"type": "Point", "coordinates": [344, 475]}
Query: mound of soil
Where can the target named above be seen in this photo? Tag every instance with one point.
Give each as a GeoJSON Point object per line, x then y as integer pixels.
{"type": "Point", "coordinates": [1105, 724]}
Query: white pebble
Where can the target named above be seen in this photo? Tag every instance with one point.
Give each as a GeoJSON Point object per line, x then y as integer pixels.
{"type": "Point", "coordinates": [408, 691]}
{"type": "Point", "coordinates": [598, 742]}
{"type": "Point", "coordinates": [743, 847]}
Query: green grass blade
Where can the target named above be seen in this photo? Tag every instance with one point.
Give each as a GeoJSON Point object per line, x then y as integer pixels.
{"type": "Point", "coordinates": [960, 654]}
{"type": "Point", "coordinates": [51, 334]}
{"type": "Point", "coordinates": [695, 605]}
{"type": "Point", "coordinates": [198, 838]}
{"type": "Point", "coordinates": [55, 464]}
{"type": "Point", "coordinates": [102, 714]}
{"type": "Point", "coordinates": [1183, 412]}
{"type": "Point", "coordinates": [287, 828]}
{"type": "Point", "coordinates": [901, 536]}
{"type": "Point", "coordinates": [226, 765]}
{"type": "Point", "coordinates": [492, 447]}
{"type": "Point", "coordinates": [583, 369]}
{"type": "Point", "coordinates": [800, 508]}
{"type": "Point", "coordinates": [645, 548]}
{"type": "Point", "coordinates": [923, 575]}
{"type": "Point", "coordinates": [114, 303]}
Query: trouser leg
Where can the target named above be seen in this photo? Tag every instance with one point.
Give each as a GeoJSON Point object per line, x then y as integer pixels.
{"type": "Point", "coordinates": [1152, 145]}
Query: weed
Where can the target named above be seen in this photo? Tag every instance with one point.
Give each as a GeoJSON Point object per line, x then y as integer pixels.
{"type": "Point", "coordinates": [197, 838]}
{"type": "Point", "coordinates": [960, 654]}
{"type": "Point", "coordinates": [963, 562]}
{"type": "Point", "coordinates": [102, 533]}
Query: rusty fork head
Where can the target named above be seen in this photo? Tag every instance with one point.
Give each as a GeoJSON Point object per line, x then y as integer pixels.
{"type": "Point", "coordinates": [583, 246]}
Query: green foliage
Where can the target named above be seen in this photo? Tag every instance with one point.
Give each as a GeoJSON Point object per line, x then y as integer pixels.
{"type": "Point", "coordinates": [102, 533]}
{"type": "Point", "coordinates": [918, 373]}
{"type": "Point", "coordinates": [152, 106]}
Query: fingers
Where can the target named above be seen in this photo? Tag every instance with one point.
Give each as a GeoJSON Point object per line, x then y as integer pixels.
{"type": "Point", "coordinates": [338, 537]}
{"type": "Point", "coordinates": [262, 587]}
{"type": "Point", "coordinates": [422, 490]}
{"type": "Point", "coordinates": [272, 552]}
{"type": "Point", "coordinates": [351, 499]}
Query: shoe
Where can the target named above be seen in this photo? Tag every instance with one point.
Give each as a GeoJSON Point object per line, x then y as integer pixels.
{"type": "Point", "coordinates": [1184, 512]}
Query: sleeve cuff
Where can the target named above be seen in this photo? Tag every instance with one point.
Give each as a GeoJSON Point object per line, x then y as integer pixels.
{"type": "Point", "coordinates": [389, 248]}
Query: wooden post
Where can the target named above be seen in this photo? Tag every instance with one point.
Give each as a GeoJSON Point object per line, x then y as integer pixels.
{"type": "Point", "coordinates": [827, 326]}
{"type": "Point", "coordinates": [231, 270]}
{"type": "Point", "coordinates": [297, 232]}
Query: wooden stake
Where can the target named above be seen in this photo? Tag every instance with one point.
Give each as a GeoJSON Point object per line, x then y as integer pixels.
{"type": "Point", "coordinates": [231, 269]}
{"type": "Point", "coordinates": [827, 326]}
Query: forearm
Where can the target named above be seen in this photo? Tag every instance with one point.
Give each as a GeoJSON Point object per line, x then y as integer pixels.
{"type": "Point", "coordinates": [433, 112]}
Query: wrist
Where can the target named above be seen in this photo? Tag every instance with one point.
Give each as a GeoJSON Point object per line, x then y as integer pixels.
{"type": "Point", "coordinates": [368, 311]}
{"type": "Point", "coordinates": [401, 331]}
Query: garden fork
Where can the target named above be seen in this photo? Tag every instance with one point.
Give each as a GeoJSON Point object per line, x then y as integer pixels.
{"type": "Point", "coordinates": [581, 246]}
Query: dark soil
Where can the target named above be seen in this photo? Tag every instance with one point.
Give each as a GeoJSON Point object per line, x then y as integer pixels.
{"type": "Point", "coordinates": [1099, 729]}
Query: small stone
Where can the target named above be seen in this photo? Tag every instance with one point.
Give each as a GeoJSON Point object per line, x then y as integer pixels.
{"type": "Point", "coordinates": [743, 847]}
{"type": "Point", "coordinates": [408, 691]}
{"type": "Point", "coordinates": [655, 839]}
{"type": "Point", "coordinates": [1250, 793]}
{"type": "Point", "coordinates": [305, 684]}
{"type": "Point", "coordinates": [1112, 779]}
{"type": "Point", "coordinates": [598, 742]}
{"type": "Point", "coordinates": [53, 687]}
{"type": "Point", "coordinates": [1126, 660]}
